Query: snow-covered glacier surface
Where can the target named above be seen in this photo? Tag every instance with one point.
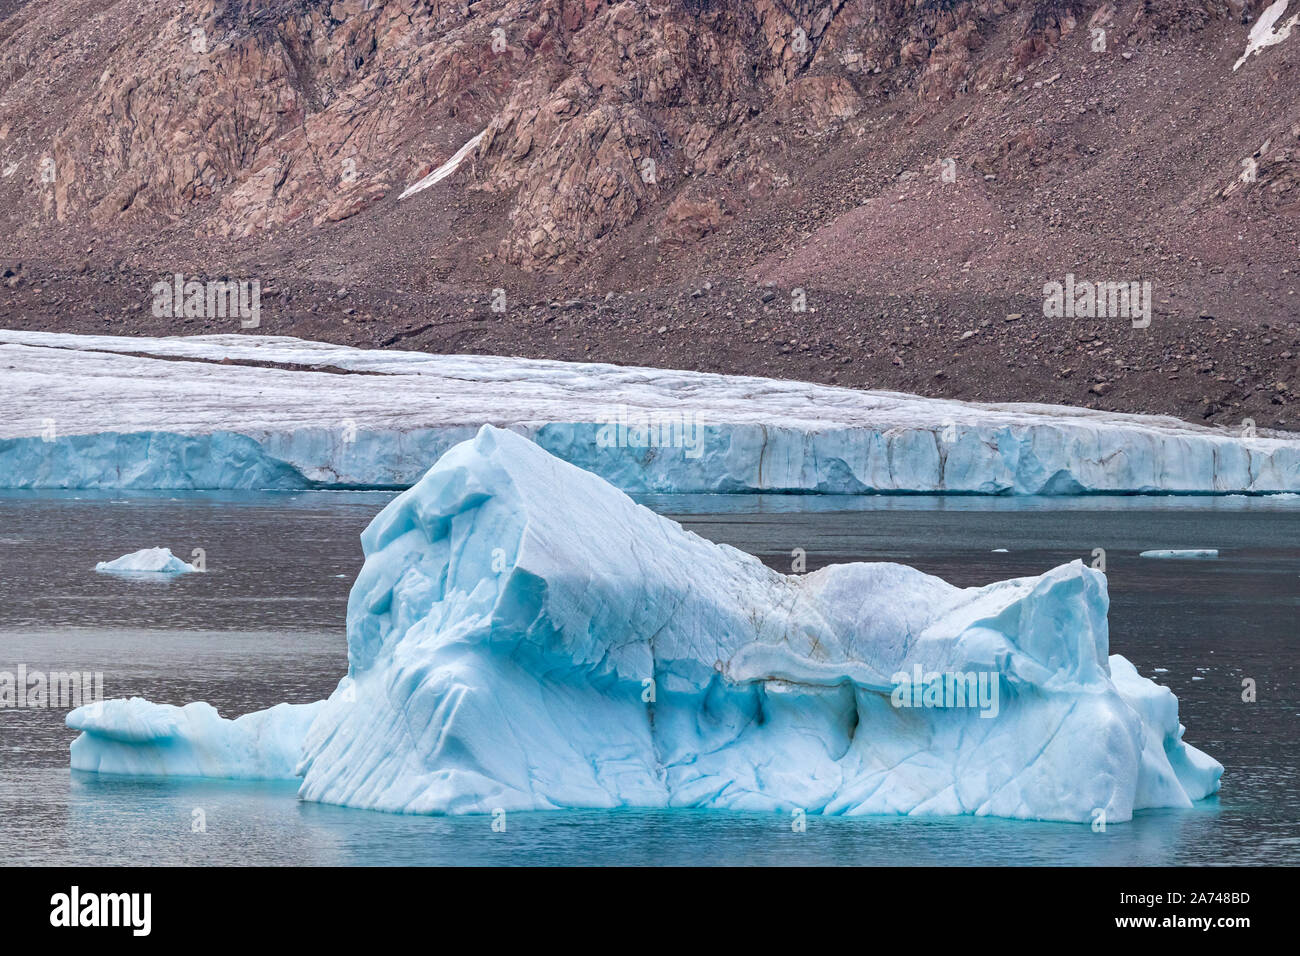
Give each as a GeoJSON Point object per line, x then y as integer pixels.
{"type": "Point", "coordinates": [251, 411]}
{"type": "Point", "coordinates": [524, 636]}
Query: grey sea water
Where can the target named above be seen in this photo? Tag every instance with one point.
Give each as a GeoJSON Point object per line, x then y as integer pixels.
{"type": "Point", "coordinates": [265, 624]}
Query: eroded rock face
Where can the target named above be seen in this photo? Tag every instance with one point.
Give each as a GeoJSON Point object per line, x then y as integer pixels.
{"type": "Point", "coordinates": [250, 114]}
{"type": "Point", "coordinates": [247, 115]}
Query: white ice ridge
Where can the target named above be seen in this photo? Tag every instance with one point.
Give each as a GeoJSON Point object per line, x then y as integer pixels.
{"type": "Point", "coordinates": [445, 170]}
{"type": "Point", "coordinates": [1185, 553]}
{"type": "Point", "coordinates": [523, 636]}
{"type": "Point", "coordinates": [80, 412]}
{"type": "Point", "coordinates": [1266, 33]}
{"type": "Point", "coordinates": [146, 561]}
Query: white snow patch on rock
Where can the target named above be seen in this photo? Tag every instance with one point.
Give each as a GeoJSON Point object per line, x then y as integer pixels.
{"type": "Point", "coordinates": [445, 170]}
{"type": "Point", "coordinates": [1266, 33]}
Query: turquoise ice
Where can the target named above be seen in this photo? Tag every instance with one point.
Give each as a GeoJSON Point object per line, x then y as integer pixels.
{"type": "Point", "coordinates": [523, 636]}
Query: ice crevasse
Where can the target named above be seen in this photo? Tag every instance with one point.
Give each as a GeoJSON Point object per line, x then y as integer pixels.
{"type": "Point", "coordinates": [524, 636]}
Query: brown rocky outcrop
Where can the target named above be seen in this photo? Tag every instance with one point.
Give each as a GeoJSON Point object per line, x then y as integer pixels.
{"type": "Point", "coordinates": [234, 118]}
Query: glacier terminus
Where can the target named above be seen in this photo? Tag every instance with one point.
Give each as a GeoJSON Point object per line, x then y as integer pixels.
{"type": "Point", "coordinates": [272, 412]}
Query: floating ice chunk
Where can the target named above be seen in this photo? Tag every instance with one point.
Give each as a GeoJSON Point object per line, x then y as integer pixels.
{"type": "Point", "coordinates": [147, 561]}
{"type": "Point", "coordinates": [137, 737]}
{"type": "Point", "coordinates": [1265, 33]}
{"type": "Point", "coordinates": [523, 636]}
{"type": "Point", "coordinates": [999, 551]}
{"type": "Point", "coordinates": [1185, 553]}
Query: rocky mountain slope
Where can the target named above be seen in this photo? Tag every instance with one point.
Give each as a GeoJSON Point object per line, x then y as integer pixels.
{"type": "Point", "coordinates": [842, 190]}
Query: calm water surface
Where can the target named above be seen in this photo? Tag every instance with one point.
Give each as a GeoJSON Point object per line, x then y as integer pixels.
{"type": "Point", "coordinates": [265, 624]}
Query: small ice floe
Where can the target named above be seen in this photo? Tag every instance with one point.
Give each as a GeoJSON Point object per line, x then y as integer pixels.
{"type": "Point", "coordinates": [147, 561]}
{"type": "Point", "coordinates": [998, 551]}
{"type": "Point", "coordinates": [1187, 554]}
{"type": "Point", "coordinates": [445, 170]}
{"type": "Point", "coordinates": [1160, 670]}
{"type": "Point", "coordinates": [1266, 33]}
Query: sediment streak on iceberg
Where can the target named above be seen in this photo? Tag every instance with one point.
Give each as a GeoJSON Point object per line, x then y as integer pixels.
{"type": "Point", "coordinates": [78, 412]}
{"type": "Point", "coordinates": [524, 636]}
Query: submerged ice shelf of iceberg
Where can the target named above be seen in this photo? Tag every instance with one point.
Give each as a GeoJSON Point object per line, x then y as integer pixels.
{"type": "Point", "coordinates": [523, 636]}
{"type": "Point", "coordinates": [111, 412]}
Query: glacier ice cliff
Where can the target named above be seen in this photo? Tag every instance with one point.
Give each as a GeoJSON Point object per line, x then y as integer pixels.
{"type": "Point", "coordinates": [524, 636]}
{"type": "Point", "coordinates": [261, 412]}
{"type": "Point", "coordinates": [146, 561]}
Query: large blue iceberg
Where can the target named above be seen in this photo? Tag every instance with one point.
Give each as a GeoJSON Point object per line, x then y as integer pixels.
{"type": "Point", "coordinates": [524, 636]}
